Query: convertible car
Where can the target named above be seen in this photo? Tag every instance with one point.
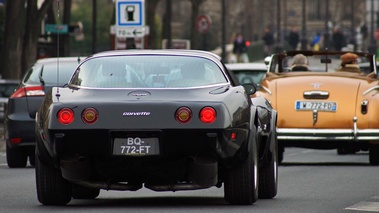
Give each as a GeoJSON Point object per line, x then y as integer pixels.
{"type": "Point", "coordinates": [322, 105]}
{"type": "Point", "coordinates": [160, 119]}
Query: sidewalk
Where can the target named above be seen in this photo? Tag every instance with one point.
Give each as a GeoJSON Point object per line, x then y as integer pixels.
{"type": "Point", "coordinates": [2, 144]}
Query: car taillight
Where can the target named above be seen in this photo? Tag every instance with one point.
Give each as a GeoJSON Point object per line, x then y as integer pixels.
{"type": "Point", "coordinates": [89, 116]}
{"type": "Point", "coordinates": [28, 91]}
{"type": "Point", "coordinates": [65, 116]}
{"type": "Point", "coordinates": [364, 107]}
{"type": "Point", "coordinates": [183, 115]}
{"type": "Point", "coordinates": [207, 115]}
{"type": "Point", "coordinates": [15, 140]}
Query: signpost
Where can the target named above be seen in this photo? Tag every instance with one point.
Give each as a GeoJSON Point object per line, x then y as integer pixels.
{"type": "Point", "coordinates": [56, 28]}
{"type": "Point", "coordinates": [203, 24]}
{"type": "Point", "coordinates": [130, 19]}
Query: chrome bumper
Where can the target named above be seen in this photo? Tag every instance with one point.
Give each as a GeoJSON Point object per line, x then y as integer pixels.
{"type": "Point", "coordinates": [328, 134]}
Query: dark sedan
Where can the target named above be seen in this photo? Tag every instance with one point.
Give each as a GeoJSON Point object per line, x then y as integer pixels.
{"type": "Point", "coordinates": [7, 87]}
{"type": "Point", "coordinates": [166, 120]}
{"type": "Point", "coordinates": [20, 112]}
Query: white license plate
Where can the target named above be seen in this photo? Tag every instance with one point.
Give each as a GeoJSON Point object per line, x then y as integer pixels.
{"type": "Point", "coordinates": [316, 105]}
{"type": "Point", "coordinates": [136, 146]}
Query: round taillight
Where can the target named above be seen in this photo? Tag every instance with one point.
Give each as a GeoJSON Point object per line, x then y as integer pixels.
{"type": "Point", "coordinates": [65, 116]}
{"type": "Point", "coordinates": [183, 115]}
{"type": "Point", "coordinates": [89, 116]}
{"type": "Point", "coordinates": [207, 115]}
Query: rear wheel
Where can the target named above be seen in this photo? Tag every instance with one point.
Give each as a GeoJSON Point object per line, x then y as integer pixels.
{"type": "Point", "coordinates": [241, 181]}
{"type": "Point", "coordinates": [374, 154]}
{"type": "Point", "coordinates": [16, 157]}
{"type": "Point", "coordinates": [52, 188]}
{"type": "Point", "coordinates": [81, 192]}
{"type": "Point", "coordinates": [268, 175]}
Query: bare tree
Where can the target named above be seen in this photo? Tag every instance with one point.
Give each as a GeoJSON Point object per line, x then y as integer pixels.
{"type": "Point", "coordinates": [150, 19]}
{"type": "Point", "coordinates": [13, 38]}
{"type": "Point", "coordinates": [34, 18]}
{"type": "Point", "coordinates": [22, 29]}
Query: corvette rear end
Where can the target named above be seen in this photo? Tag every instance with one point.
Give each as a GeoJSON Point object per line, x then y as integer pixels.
{"type": "Point", "coordinates": [160, 119]}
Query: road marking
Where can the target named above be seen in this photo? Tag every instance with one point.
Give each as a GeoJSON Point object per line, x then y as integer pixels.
{"type": "Point", "coordinates": [366, 206]}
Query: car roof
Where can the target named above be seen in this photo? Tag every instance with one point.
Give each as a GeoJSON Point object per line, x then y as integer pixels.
{"type": "Point", "coordinates": [60, 59]}
{"type": "Point", "coordinates": [172, 52]}
{"type": "Point", "coordinates": [249, 66]}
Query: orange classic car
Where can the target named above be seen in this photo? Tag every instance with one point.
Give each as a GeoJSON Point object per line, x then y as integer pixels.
{"type": "Point", "coordinates": [325, 100]}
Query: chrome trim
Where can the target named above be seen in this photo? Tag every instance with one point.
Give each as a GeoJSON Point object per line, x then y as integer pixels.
{"type": "Point", "coordinates": [369, 90]}
{"type": "Point", "coordinates": [328, 134]}
{"type": "Point", "coordinates": [316, 94]}
{"type": "Point", "coordinates": [315, 115]}
{"type": "Point", "coordinates": [149, 88]}
{"type": "Point", "coordinates": [266, 89]}
{"type": "Point", "coordinates": [355, 127]}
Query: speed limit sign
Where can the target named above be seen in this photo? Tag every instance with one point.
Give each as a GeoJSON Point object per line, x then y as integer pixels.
{"type": "Point", "coordinates": [203, 23]}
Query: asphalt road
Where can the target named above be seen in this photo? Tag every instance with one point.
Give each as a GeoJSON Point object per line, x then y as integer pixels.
{"type": "Point", "coordinates": [309, 181]}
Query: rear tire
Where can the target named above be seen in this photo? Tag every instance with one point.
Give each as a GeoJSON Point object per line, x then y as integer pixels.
{"type": "Point", "coordinates": [52, 188]}
{"type": "Point", "coordinates": [81, 192]}
{"type": "Point", "coordinates": [268, 175]}
{"type": "Point", "coordinates": [16, 157]}
{"type": "Point", "coordinates": [241, 181]}
{"type": "Point", "coordinates": [374, 154]}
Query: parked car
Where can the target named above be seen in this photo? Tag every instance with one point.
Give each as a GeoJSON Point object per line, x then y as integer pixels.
{"type": "Point", "coordinates": [19, 123]}
{"type": "Point", "coordinates": [325, 108]}
{"type": "Point", "coordinates": [248, 72]}
{"type": "Point", "coordinates": [7, 87]}
{"type": "Point", "coordinates": [168, 120]}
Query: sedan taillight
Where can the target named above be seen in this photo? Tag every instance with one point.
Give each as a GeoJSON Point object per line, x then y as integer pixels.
{"type": "Point", "coordinates": [28, 91]}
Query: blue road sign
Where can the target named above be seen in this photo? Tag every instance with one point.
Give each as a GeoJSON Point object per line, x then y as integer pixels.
{"type": "Point", "coordinates": [130, 13]}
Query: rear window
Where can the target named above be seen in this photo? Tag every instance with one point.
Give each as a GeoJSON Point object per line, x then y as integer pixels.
{"type": "Point", "coordinates": [50, 73]}
{"type": "Point", "coordinates": [148, 71]}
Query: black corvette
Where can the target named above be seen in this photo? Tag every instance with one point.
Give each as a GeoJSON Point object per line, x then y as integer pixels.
{"type": "Point", "coordinates": [166, 120]}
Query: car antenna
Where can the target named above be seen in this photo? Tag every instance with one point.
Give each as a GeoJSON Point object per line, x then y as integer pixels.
{"type": "Point", "coordinates": [57, 94]}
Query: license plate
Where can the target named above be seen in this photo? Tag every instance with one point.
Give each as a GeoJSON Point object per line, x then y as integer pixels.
{"type": "Point", "coordinates": [136, 146]}
{"type": "Point", "coordinates": [316, 105]}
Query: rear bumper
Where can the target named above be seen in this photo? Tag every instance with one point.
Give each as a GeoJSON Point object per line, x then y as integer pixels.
{"type": "Point", "coordinates": [328, 134]}
{"type": "Point", "coordinates": [23, 129]}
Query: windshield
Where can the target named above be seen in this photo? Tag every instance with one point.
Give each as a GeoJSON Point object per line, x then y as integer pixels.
{"type": "Point", "coordinates": [322, 63]}
{"type": "Point", "coordinates": [147, 71]}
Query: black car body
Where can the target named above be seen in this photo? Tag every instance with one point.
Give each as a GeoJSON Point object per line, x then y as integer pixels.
{"type": "Point", "coordinates": [19, 123]}
{"type": "Point", "coordinates": [166, 120]}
